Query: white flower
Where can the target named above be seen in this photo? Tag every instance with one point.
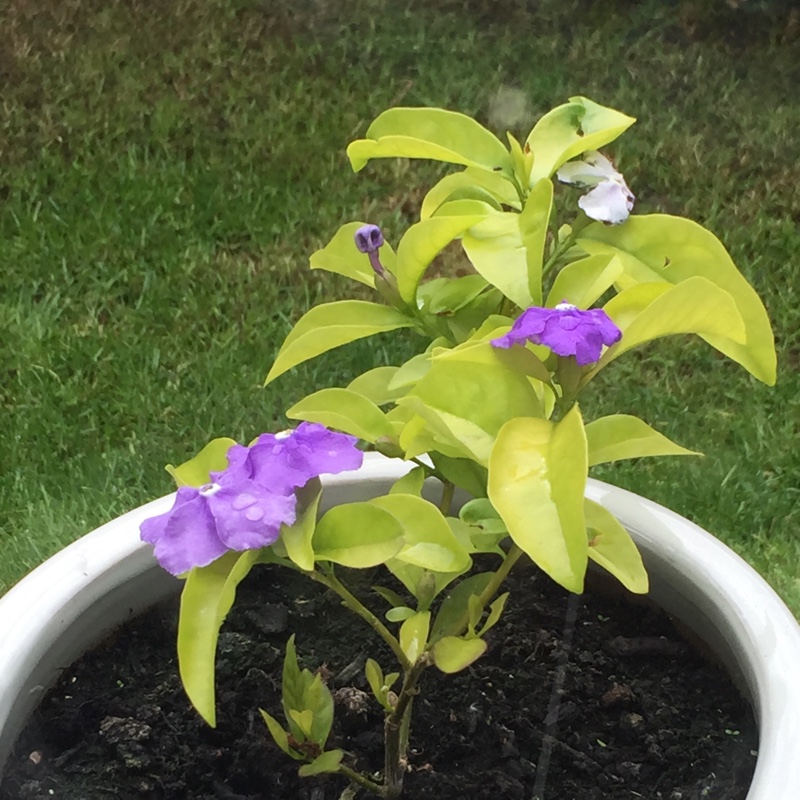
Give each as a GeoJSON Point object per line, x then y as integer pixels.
{"type": "Point", "coordinates": [610, 199]}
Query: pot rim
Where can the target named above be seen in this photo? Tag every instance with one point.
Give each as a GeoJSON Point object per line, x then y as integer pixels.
{"type": "Point", "coordinates": [110, 571]}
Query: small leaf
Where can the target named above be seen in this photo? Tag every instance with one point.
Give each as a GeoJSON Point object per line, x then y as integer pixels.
{"type": "Point", "coordinates": [411, 483]}
{"type": "Point", "coordinates": [399, 614]}
{"type": "Point", "coordinates": [374, 385]}
{"type": "Point", "coordinates": [279, 735]}
{"type": "Point", "coordinates": [452, 653]}
{"type": "Point", "coordinates": [495, 612]}
{"type": "Point", "coordinates": [455, 604]}
{"type": "Point", "coordinates": [331, 325]}
{"type": "Point", "coordinates": [327, 762]}
{"type": "Point", "coordinates": [374, 675]}
{"type": "Point", "coordinates": [473, 182]}
{"type": "Point", "coordinates": [297, 538]}
{"type": "Point", "coordinates": [613, 549]}
{"type": "Point", "coordinates": [343, 410]}
{"type": "Point", "coordinates": [414, 635]}
{"type": "Point", "coordinates": [195, 472]}
{"type": "Point", "coordinates": [621, 436]}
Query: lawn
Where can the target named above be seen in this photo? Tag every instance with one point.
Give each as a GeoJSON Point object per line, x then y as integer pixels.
{"type": "Point", "coordinates": [166, 169]}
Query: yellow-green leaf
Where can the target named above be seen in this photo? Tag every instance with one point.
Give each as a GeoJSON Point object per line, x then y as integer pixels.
{"type": "Point", "coordinates": [331, 325]}
{"type": "Point", "coordinates": [649, 311]}
{"type": "Point", "coordinates": [569, 130]}
{"type": "Point", "coordinates": [533, 223]}
{"type": "Point", "coordinates": [430, 133]}
{"type": "Point", "coordinates": [343, 410]}
{"type": "Point", "coordinates": [195, 472]}
{"type": "Point", "coordinates": [374, 385]}
{"type": "Point", "coordinates": [583, 282]}
{"type": "Point", "coordinates": [279, 735]}
{"type": "Point", "coordinates": [411, 483]}
{"type": "Point", "coordinates": [414, 635]}
{"type": "Point", "coordinates": [611, 547]}
{"type": "Point", "coordinates": [659, 247]}
{"type": "Point", "coordinates": [327, 762]}
{"type": "Point", "coordinates": [475, 183]}
{"type": "Point", "coordinates": [357, 535]}
{"type": "Point", "coordinates": [452, 653]}
{"type": "Point", "coordinates": [207, 596]}
{"type": "Point", "coordinates": [621, 436]}
{"type": "Point", "coordinates": [297, 538]}
{"type": "Point", "coordinates": [537, 476]}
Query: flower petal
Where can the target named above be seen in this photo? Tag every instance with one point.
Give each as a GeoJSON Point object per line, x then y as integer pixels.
{"type": "Point", "coordinates": [593, 168]}
{"type": "Point", "coordinates": [609, 201]}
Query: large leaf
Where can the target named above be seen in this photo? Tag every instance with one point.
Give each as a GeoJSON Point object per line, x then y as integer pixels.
{"type": "Point", "coordinates": [429, 542]}
{"type": "Point", "coordinates": [374, 385]}
{"type": "Point", "coordinates": [195, 472]}
{"type": "Point", "coordinates": [330, 325]}
{"type": "Point", "coordinates": [651, 310]}
{"type": "Point", "coordinates": [422, 242]}
{"type": "Point", "coordinates": [621, 436]}
{"type": "Point", "coordinates": [664, 248]}
{"type": "Point", "coordinates": [357, 535]}
{"type": "Point", "coordinates": [611, 547]}
{"type": "Point", "coordinates": [572, 129]}
{"type": "Point", "coordinates": [430, 133]}
{"type": "Point", "coordinates": [583, 282]}
{"type": "Point", "coordinates": [474, 183]}
{"type": "Point", "coordinates": [537, 476]}
{"type": "Point", "coordinates": [207, 597]}
{"type": "Point", "coordinates": [468, 394]}
{"type": "Point", "coordinates": [340, 255]}
{"type": "Point", "coordinates": [343, 410]}
{"type": "Point", "coordinates": [533, 223]}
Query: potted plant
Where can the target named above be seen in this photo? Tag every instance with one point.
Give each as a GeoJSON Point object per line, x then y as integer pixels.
{"type": "Point", "coordinates": [488, 413]}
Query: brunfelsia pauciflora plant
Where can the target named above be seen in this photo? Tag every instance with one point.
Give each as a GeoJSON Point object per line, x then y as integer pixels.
{"type": "Point", "coordinates": [489, 407]}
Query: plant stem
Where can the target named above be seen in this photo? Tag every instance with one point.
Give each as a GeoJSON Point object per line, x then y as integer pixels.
{"type": "Point", "coordinates": [362, 780]}
{"type": "Point", "coordinates": [354, 604]}
{"type": "Point", "coordinates": [447, 497]}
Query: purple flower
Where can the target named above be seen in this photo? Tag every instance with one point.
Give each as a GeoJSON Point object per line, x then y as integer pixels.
{"type": "Point", "coordinates": [205, 523]}
{"type": "Point", "coordinates": [285, 461]}
{"type": "Point", "coordinates": [369, 239]}
{"type": "Point", "coordinates": [609, 198]}
{"type": "Point", "coordinates": [245, 505]}
{"type": "Point", "coordinates": [565, 329]}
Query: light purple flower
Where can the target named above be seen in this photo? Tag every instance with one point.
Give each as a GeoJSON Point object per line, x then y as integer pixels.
{"type": "Point", "coordinates": [610, 199]}
{"type": "Point", "coordinates": [283, 462]}
{"type": "Point", "coordinates": [565, 329]}
{"type": "Point", "coordinates": [369, 239]}
{"type": "Point", "coordinates": [245, 505]}
{"type": "Point", "coordinates": [205, 523]}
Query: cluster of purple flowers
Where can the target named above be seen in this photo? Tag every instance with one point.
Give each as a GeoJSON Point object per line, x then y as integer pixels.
{"type": "Point", "coordinates": [244, 506]}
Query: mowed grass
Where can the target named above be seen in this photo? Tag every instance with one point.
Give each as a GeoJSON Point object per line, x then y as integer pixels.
{"type": "Point", "coordinates": [166, 169]}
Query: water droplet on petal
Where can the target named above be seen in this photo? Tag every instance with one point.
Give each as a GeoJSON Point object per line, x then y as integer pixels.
{"type": "Point", "coordinates": [254, 514]}
{"type": "Point", "coordinates": [243, 501]}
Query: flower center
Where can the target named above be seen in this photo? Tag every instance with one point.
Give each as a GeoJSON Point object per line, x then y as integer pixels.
{"type": "Point", "coordinates": [209, 489]}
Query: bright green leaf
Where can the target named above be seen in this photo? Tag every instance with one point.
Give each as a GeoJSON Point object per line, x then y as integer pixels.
{"type": "Point", "coordinates": [279, 735]}
{"type": "Point", "coordinates": [447, 295]}
{"type": "Point", "coordinates": [651, 310]}
{"type": "Point", "coordinates": [399, 613]}
{"type": "Point", "coordinates": [452, 612]}
{"type": "Point", "coordinates": [452, 653]}
{"type": "Point", "coordinates": [463, 472]}
{"type": "Point", "coordinates": [583, 282]}
{"type": "Point", "coordinates": [474, 183]}
{"type": "Point", "coordinates": [327, 762]}
{"type": "Point", "coordinates": [537, 475]}
{"type": "Point", "coordinates": [330, 325]}
{"type": "Point", "coordinates": [432, 133]}
{"type": "Point", "coordinates": [207, 596]}
{"type": "Point", "coordinates": [569, 130]}
{"type": "Point", "coordinates": [297, 538]}
{"type": "Point", "coordinates": [414, 635]}
{"type": "Point", "coordinates": [421, 243]}
{"type": "Point", "coordinates": [621, 436]}
{"type": "Point", "coordinates": [374, 385]}
{"type": "Point", "coordinates": [411, 483]}
{"type": "Point", "coordinates": [343, 410]}
{"type": "Point", "coordinates": [357, 535]}
{"type": "Point", "coordinates": [495, 612]}
{"type": "Point", "coordinates": [664, 248]}
{"type": "Point", "coordinates": [195, 472]}
{"type": "Point", "coordinates": [612, 548]}
{"type": "Point", "coordinates": [533, 224]}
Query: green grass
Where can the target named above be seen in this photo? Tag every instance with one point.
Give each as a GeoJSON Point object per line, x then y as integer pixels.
{"type": "Point", "coordinates": [165, 170]}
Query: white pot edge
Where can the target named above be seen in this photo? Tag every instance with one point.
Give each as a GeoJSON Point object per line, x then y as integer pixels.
{"type": "Point", "coordinates": [105, 577]}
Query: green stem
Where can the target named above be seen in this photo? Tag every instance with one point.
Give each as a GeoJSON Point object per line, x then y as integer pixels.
{"type": "Point", "coordinates": [448, 489]}
{"type": "Point", "coordinates": [355, 605]}
{"type": "Point", "coordinates": [362, 780]}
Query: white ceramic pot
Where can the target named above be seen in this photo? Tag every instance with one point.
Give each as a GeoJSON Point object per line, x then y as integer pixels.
{"type": "Point", "coordinates": [74, 599]}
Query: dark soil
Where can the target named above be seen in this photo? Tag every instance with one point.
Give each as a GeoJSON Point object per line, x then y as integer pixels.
{"type": "Point", "coordinates": [577, 699]}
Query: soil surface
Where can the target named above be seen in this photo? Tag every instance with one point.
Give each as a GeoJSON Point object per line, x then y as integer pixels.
{"type": "Point", "coordinates": [578, 698]}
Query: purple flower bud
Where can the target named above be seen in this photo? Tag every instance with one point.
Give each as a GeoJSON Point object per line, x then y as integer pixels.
{"type": "Point", "coordinates": [566, 330]}
{"type": "Point", "coordinates": [369, 239]}
{"type": "Point", "coordinates": [246, 504]}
